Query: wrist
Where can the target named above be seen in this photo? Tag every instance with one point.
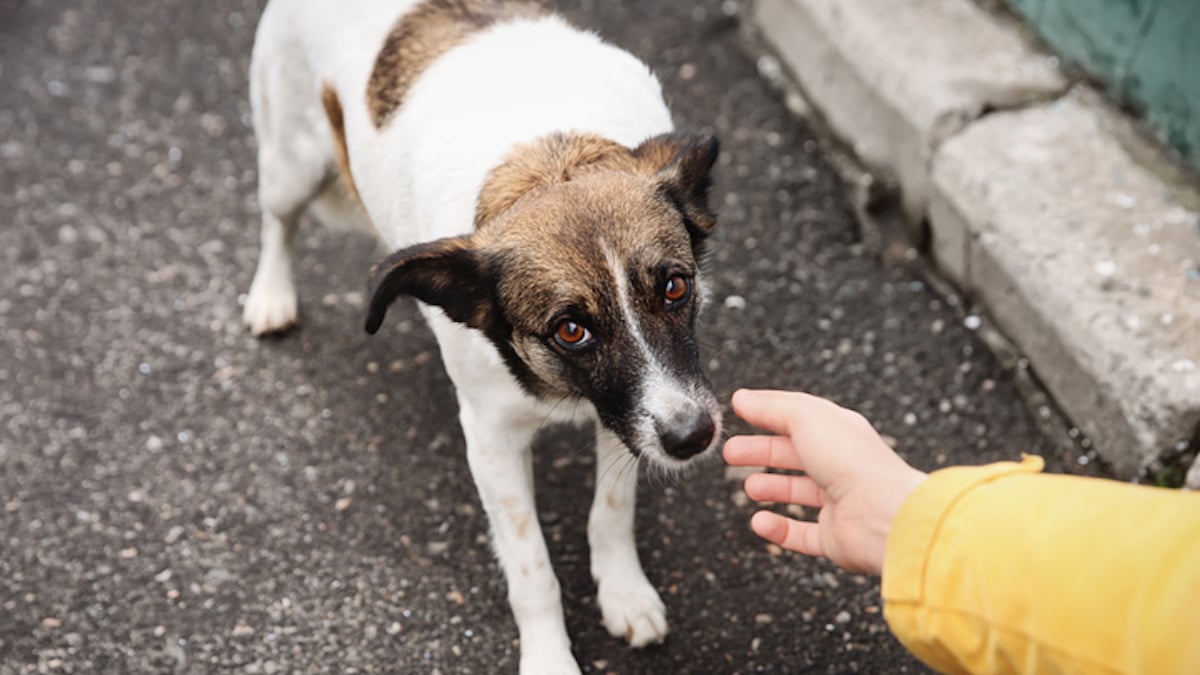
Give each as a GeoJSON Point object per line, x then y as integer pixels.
{"type": "Point", "coordinates": [901, 488]}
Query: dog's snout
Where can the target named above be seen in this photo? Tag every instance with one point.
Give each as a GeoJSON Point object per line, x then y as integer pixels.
{"type": "Point", "coordinates": [688, 436]}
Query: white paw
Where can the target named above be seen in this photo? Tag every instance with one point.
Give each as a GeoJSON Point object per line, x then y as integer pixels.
{"type": "Point", "coordinates": [547, 660]}
{"type": "Point", "coordinates": [270, 309]}
{"type": "Point", "coordinates": [632, 610]}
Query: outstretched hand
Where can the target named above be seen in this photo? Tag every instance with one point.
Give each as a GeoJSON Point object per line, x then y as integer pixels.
{"type": "Point", "coordinates": [850, 474]}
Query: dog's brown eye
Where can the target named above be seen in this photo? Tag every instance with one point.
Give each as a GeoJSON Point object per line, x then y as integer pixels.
{"type": "Point", "coordinates": [676, 290]}
{"type": "Point", "coordinates": [572, 335]}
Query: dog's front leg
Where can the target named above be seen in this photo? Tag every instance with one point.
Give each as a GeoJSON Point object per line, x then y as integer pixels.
{"type": "Point", "coordinates": [629, 604]}
{"type": "Point", "coordinates": [498, 451]}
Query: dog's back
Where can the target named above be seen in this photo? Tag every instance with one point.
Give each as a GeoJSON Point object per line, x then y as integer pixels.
{"type": "Point", "coordinates": [432, 95]}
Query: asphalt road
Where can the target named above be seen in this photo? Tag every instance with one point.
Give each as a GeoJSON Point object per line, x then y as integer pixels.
{"type": "Point", "coordinates": [179, 497]}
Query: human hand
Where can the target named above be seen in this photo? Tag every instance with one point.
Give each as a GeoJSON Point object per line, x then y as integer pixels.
{"type": "Point", "coordinates": [851, 475]}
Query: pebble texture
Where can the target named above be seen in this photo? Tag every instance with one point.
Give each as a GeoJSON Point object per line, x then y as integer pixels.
{"type": "Point", "coordinates": [180, 497]}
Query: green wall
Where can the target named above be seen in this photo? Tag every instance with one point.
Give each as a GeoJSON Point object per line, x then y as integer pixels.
{"type": "Point", "coordinates": [1147, 51]}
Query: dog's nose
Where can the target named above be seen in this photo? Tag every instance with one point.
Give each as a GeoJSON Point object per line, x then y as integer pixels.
{"type": "Point", "coordinates": [689, 436]}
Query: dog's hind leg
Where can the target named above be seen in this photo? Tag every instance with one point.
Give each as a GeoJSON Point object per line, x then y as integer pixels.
{"type": "Point", "coordinates": [498, 451]}
{"type": "Point", "coordinates": [629, 605]}
{"type": "Point", "coordinates": [295, 158]}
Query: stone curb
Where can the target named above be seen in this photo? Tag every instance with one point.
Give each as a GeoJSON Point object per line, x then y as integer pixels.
{"type": "Point", "coordinates": [865, 65]}
{"type": "Point", "coordinates": [1043, 203]}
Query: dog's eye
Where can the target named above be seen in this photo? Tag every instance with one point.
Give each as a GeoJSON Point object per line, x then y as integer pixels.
{"type": "Point", "coordinates": [572, 335]}
{"type": "Point", "coordinates": [677, 290]}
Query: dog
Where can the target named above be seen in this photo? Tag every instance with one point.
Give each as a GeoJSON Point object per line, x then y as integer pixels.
{"type": "Point", "coordinates": [550, 222]}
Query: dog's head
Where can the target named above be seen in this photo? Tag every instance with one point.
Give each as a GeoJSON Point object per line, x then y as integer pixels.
{"type": "Point", "coordinates": [584, 271]}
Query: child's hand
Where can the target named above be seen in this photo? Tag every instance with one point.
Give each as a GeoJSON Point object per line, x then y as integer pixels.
{"type": "Point", "coordinates": [853, 477]}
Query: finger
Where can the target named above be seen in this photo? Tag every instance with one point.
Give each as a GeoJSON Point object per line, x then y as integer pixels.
{"type": "Point", "coordinates": [775, 411]}
{"type": "Point", "coordinates": [772, 451]}
{"type": "Point", "coordinates": [794, 535]}
{"type": "Point", "coordinates": [783, 489]}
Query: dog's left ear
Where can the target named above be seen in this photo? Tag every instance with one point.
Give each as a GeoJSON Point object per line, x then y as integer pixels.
{"type": "Point", "coordinates": [683, 162]}
{"type": "Point", "coordinates": [448, 273]}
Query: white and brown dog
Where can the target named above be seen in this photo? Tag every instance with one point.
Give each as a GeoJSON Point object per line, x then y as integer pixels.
{"type": "Point", "coordinates": [549, 221]}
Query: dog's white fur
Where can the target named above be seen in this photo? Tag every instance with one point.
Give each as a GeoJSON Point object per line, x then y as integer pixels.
{"type": "Point", "coordinates": [418, 177]}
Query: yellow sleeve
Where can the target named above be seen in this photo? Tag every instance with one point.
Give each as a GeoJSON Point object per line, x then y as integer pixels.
{"type": "Point", "coordinates": [1002, 569]}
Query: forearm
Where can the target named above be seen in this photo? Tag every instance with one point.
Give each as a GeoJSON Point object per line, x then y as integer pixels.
{"type": "Point", "coordinates": [1000, 569]}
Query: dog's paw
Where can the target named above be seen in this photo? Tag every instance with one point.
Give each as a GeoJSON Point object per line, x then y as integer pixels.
{"type": "Point", "coordinates": [548, 660]}
{"type": "Point", "coordinates": [270, 309]}
{"type": "Point", "coordinates": [632, 610]}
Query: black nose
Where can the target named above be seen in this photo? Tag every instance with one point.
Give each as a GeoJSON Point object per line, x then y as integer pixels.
{"type": "Point", "coordinates": [689, 436]}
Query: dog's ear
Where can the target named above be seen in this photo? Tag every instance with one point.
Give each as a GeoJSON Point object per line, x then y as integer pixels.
{"type": "Point", "coordinates": [448, 273]}
{"type": "Point", "coordinates": [683, 163]}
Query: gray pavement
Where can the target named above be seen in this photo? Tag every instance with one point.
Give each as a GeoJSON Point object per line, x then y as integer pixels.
{"type": "Point", "coordinates": [179, 497]}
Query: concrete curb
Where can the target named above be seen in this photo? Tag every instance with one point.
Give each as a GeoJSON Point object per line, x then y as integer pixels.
{"type": "Point", "coordinates": [1043, 203]}
{"type": "Point", "coordinates": [864, 64]}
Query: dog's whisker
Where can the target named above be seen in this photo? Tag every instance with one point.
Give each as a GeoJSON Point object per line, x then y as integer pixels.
{"type": "Point", "coordinates": [618, 465]}
{"type": "Point", "coordinates": [550, 413]}
{"type": "Point", "coordinates": [613, 463]}
{"type": "Point", "coordinates": [633, 463]}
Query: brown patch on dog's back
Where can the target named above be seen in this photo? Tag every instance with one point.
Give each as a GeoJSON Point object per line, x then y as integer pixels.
{"type": "Point", "coordinates": [337, 122]}
{"type": "Point", "coordinates": [424, 33]}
